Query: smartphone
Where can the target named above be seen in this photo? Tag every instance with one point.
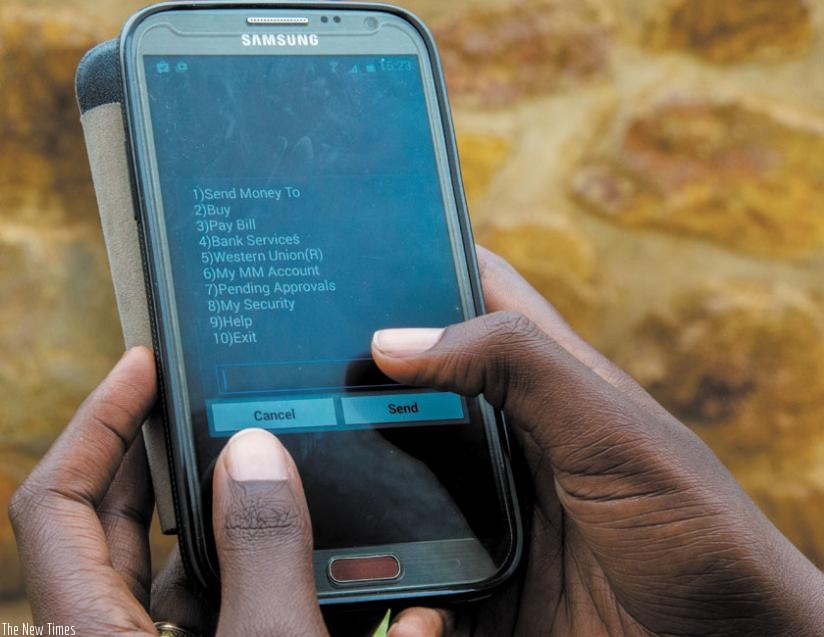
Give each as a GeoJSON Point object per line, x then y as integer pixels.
{"type": "Point", "coordinates": [297, 188]}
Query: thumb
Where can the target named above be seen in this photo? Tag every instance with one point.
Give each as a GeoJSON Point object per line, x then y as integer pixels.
{"type": "Point", "coordinates": [557, 404]}
{"type": "Point", "coordinates": [264, 541]}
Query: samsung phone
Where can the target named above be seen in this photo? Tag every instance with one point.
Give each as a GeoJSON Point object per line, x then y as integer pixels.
{"type": "Point", "coordinates": [298, 188]}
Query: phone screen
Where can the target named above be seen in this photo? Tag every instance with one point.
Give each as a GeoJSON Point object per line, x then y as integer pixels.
{"type": "Point", "coordinates": [305, 203]}
{"type": "Point", "coordinates": [305, 210]}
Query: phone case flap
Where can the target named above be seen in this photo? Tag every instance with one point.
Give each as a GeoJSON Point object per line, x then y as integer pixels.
{"type": "Point", "coordinates": [104, 131]}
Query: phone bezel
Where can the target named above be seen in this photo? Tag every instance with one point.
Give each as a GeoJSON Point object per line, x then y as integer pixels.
{"type": "Point", "coordinates": [181, 451]}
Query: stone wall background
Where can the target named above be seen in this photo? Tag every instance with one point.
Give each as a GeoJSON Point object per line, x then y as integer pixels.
{"type": "Point", "coordinates": [655, 167]}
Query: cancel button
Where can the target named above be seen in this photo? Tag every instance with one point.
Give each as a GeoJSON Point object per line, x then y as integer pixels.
{"type": "Point", "coordinates": [229, 416]}
{"type": "Point", "coordinates": [397, 408]}
{"type": "Point", "coordinates": [265, 416]}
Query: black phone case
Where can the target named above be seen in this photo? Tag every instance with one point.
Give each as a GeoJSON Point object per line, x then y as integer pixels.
{"type": "Point", "coordinates": [99, 88]}
{"type": "Point", "coordinates": [100, 97]}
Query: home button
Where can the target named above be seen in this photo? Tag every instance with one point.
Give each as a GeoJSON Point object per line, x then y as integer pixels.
{"type": "Point", "coordinates": [369, 568]}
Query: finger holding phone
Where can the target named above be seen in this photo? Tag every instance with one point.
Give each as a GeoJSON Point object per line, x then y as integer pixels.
{"type": "Point", "coordinates": [637, 527]}
{"type": "Point", "coordinates": [82, 517]}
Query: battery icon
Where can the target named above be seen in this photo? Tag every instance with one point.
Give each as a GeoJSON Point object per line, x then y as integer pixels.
{"type": "Point", "coordinates": [370, 68]}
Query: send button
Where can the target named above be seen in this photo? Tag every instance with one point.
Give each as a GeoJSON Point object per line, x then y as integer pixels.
{"type": "Point", "coordinates": [390, 408]}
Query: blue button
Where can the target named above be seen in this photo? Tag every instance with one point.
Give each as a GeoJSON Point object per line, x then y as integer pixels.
{"type": "Point", "coordinates": [273, 414]}
{"type": "Point", "coordinates": [363, 410]}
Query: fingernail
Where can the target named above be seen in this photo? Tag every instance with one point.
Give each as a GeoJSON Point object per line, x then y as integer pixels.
{"type": "Point", "coordinates": [407, 341]}
{"type": "Point", "coordinates": [255, 454]}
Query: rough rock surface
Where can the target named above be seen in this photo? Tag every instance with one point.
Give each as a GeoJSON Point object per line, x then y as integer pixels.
{"type": "Point", "coordinates": [737, 356]}
{"type": "Point", "coordinates": [555, 258]}
{"type": "Point", "coordinates": [725, 171]}
{"type": "Point", "coordinates": [734, 30]}
{"type": "Point", "coordinates": [41, 157]}
{"type": "Point", "coordinates": [500, 54]}
{"type": "Point", "coordinates": [481, 157]}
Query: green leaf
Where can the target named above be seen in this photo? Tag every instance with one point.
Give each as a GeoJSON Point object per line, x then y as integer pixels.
{"type": "Point", "coordinates": [384, 627]}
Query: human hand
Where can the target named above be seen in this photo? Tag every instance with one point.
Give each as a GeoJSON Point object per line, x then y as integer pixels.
{"type": "Point", "coordinates": [636, 528]}
{"type": "Point", "coordinates": [81, 522]}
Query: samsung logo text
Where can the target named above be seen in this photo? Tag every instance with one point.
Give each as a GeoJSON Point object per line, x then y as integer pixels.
{"type": "Point", "coordinates": [279, 39]}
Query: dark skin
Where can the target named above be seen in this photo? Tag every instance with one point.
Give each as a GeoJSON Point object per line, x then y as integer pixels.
{"type": "Point", "coordinates": [82, 520]}
{"type": "Point", "coordinates": [637, 528]}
